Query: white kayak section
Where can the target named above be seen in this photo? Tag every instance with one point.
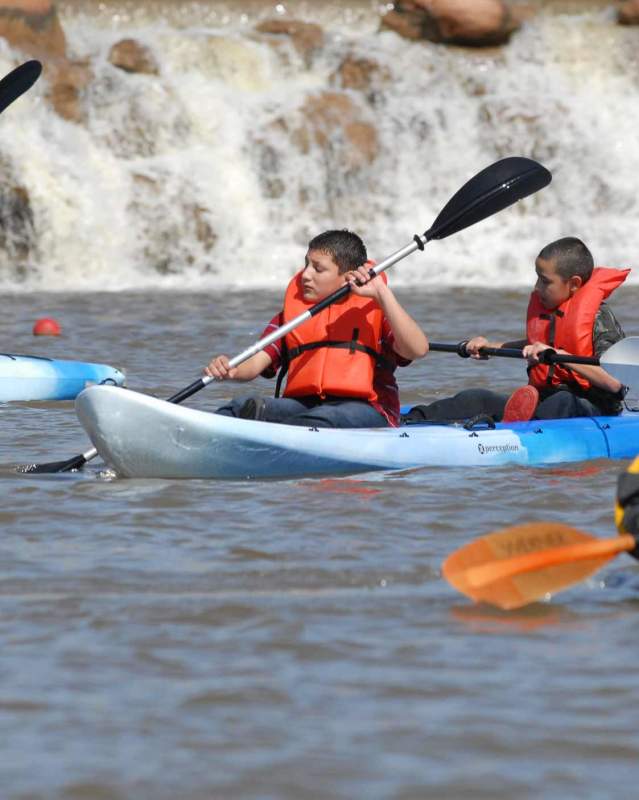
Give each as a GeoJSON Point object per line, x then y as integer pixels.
{"type": "Point", "coordinates": [36, 378]}
{"type": "Point", "coordinates": [142, 437]}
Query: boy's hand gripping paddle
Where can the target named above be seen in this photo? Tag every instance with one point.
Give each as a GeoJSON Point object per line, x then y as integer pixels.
{"type": "Point", "coordinates": [621, 360]}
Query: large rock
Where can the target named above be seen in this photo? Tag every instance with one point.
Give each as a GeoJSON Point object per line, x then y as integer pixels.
{"type": "Point", "coordinates": [33, 26]}
{"type": "Point", "coordinates": [335, 124]}
{"type": "Point", "coordinates": [363, 75]}
{"type": "Point", "coordinates": [307, 38]}
{"type": "Point", "coordinates": [628, 12]}
{"type": "Point", "coordinates": [475, 23]}
{"type": "Point", "coordinates": [67, 82]}
{"type": "Point", "coordinates": [131, 56]}
{"type": "Point", "coordinates": [333, 117]}
{"type": "Point", "coordinates": [17, 229]}
{"type": "Point", "coordinates": [407, 21]}
{"type": "Point", "coordinates": [168, 241]}
{"type": "Point", "coordinates": [360, 74]}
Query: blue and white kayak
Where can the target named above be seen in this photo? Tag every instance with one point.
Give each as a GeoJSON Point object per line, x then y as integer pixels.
{"type": "Point", "coordinates": [35, 378]}
{"type": "Point", "coordinates": [142, 437]}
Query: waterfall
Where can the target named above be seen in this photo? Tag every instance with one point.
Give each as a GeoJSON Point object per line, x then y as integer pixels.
{"type": "Point", "coordinates": [218, 170]}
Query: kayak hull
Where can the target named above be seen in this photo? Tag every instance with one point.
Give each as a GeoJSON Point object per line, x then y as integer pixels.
{"type": "Point", "coordinates": [140, 436]}
{"type": "Point", "coordinates": [35, 378]}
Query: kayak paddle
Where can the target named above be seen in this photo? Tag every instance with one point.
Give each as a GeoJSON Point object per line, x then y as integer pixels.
{"type": "Point", "coordinates": [491, 190]}
{"type": "Point", "coordinates": [516, 566]}
{"type": "Point", "coordinates": [18, 81]}
{"type": "Point", "coordinates": [621, 360]}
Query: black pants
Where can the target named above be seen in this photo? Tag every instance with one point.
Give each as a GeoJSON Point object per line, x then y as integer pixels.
{"type": "Point", "coordinates": [464, 405]}
{"type": "Point", "coordinates": [475, 402]}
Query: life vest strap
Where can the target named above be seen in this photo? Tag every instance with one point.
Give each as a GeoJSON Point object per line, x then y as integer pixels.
{"type": "Point", "coordinates": [289, 353]}
{"type": "Point", "coordinates": [351, 345]}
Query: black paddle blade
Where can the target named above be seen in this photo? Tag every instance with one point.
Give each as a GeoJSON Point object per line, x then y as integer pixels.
{"type": "Point", "coordinates": [18, 81]}
{"type": "Point", "coordinates": [54, 466]}
{"type": "Point", "coordinates": [491, 190]}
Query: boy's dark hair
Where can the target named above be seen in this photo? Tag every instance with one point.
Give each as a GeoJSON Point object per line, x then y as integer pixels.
{"type": "Point", "coordinates": [571, 257]}
{"type": "Point", "coordinates": [345, 248]}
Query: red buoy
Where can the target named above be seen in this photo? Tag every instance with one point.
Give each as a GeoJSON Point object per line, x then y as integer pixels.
{"type": "Point", "coordinates": [46, 326]}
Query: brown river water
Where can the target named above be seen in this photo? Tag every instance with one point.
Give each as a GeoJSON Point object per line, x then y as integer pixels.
{"type": "Point", "coordinates": [202, 640]}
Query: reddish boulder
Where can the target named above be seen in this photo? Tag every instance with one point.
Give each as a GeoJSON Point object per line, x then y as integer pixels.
{"type": "Point", "coordinates": [334, 117]}
{"type": "Point", "coordinates": [307, 38]}
{"type": "Point", "coordinates": [17, 228]}
{"type": "Point", "coordinates": [33, 26]}
{"type": "Point", "coordinates": [360, 74]}
{"type": "Point", "coordinates": [476, 23]}
{"type": "Point", "coordinates": [131, 56]}
{"type": "Point", "coordinates": [628, 12]}
{"type": "Point", "coordinates": [406, 21]}
{"type": "Point", "coordinates": [67, 81]}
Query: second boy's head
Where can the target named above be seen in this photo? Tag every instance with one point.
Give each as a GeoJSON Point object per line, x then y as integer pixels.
{"type": "Point", "coordinates": [330, 256]}
{"type": "Point", "coordinates": [562, 268]}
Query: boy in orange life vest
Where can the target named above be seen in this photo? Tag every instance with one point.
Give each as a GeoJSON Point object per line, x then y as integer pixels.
{"type": "Point", "coordinates": [341, 362]}
{"type": "Point", "coordinates": [566, 312]}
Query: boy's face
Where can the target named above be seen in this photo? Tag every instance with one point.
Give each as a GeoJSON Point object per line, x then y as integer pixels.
{"type": "Point", "coordinates": [552, 289]}
{"type": "Point", "coordinates": [321, 276]}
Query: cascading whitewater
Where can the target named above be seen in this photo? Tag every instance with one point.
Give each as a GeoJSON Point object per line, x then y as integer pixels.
{"type": "Point", "coordinates": [218, 170]}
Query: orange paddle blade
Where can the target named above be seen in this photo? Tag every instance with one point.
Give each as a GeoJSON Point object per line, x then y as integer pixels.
{"type": "Point", "coordinates": [518, 565]}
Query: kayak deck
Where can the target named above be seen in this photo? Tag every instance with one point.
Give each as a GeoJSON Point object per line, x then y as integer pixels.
{"type": "Point", "coordinates": [141, 436]}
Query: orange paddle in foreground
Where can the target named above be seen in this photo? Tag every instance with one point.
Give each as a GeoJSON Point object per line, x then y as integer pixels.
{"type": "Point", "coordinates": [516, 566]}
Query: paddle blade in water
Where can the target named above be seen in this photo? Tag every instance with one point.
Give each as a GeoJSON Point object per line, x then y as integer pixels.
{"type": "Point", "coordinates": [516, 566]}
{"type": "Point", "coordinates": [491, 190]}
{"type": "Point", "coordinates": [70, 465]}
{"type": "Point", "coordinates": [18, 81]}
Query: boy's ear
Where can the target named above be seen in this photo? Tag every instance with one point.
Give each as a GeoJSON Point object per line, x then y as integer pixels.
{"type": "Point", "coordinates": [575, 283]}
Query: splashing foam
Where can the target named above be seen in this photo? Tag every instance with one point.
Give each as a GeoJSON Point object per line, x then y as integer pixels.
{"type": "Point", "coordinates": [218, 171]}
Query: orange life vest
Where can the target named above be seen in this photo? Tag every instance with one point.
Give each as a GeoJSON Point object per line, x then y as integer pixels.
{"type": "Point", "coordinates": [569, 326]}
{"type": "Point", "coordinates": [334, 352]}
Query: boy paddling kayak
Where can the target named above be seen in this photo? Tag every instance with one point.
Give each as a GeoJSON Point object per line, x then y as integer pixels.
{"type": "Point", "coordinates": [340, 364]}
{"type": "Point", "coordinates": [567, 313]}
